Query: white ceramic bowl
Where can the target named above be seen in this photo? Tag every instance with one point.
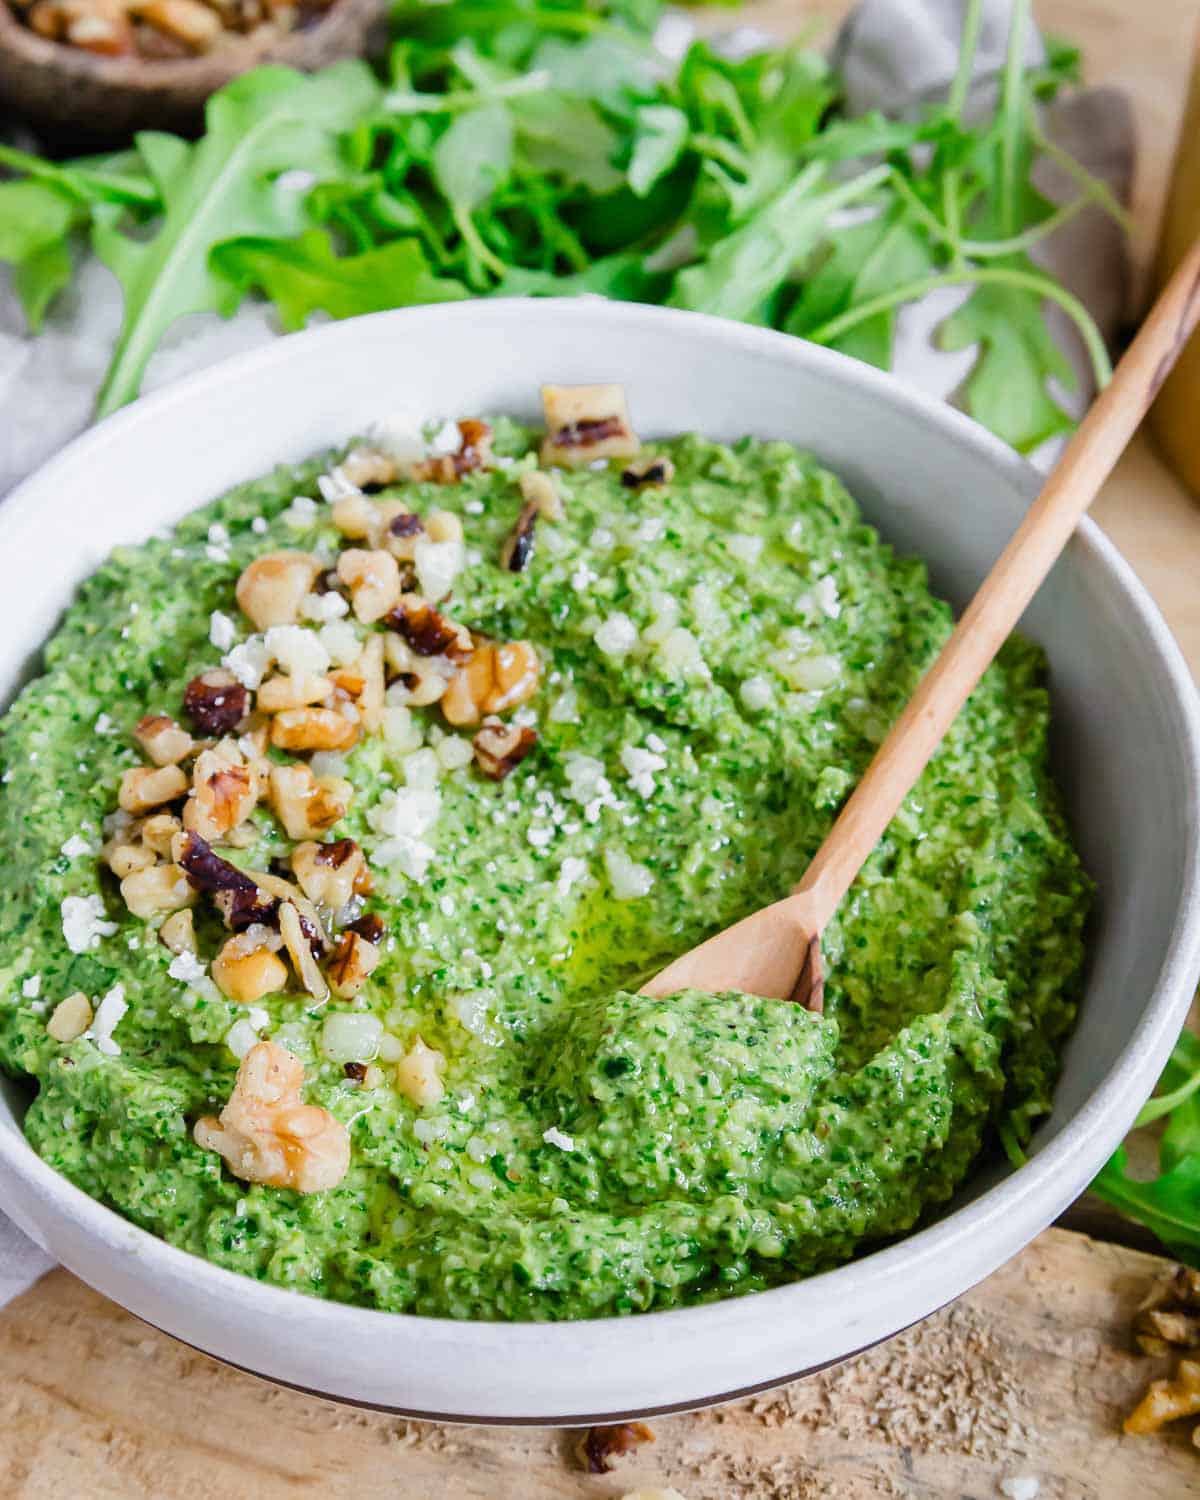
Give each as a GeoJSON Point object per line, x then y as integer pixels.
{"type": "Point", "coordinates": [1127, 736]}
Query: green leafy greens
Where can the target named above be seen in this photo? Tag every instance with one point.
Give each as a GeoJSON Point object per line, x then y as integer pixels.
{"type": "Point", "coordinates": [543, 147]}
{"type": "Point", "coordinates": [1168, 1204]}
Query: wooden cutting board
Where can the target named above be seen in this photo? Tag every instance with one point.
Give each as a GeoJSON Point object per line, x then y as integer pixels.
{"type": "Point", "coordinates": [1025, 1378]}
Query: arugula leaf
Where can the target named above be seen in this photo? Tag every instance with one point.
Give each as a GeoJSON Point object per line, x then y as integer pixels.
{"type": "Point", "coordinates": [221, 188]}
{"type": "Point", "coordinates": [1006, 390]}
{"type": "Point", "coordinates": [744, 269]}
{"type": "Point", "coordinates": [623, 277]}
{"type": "Point", "coordinates": [304, 275]}
{"type": "Point", "coordinates": [1168, 1204]}
{"type": "Point", "coordinates": [863, 261]}
{"type": "Point", "coordinates": [662, 132]}
{"type": "Point", "coordinates": [35, 221]}
{"type": "Point", "coordinates": [567, 139]}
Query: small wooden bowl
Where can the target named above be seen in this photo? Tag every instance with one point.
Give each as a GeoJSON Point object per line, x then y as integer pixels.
{"type": "Point", "coordinates": [77, 99]}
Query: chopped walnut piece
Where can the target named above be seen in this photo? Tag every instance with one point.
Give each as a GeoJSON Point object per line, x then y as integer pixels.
{"type": "Point", "coordinates": [271, 588]}
{"type": "Point", "coordinates": [162, 888]}
{"type": "Point", "coordinates": [310, 918]}
{"type": "Point", "coordinates": [427, 631]}
{"type": "Point", "coordinates": [143, 788]}
{"type": "Point", "coordinates": [648, 471]}
{"type": "Point", "coordinates": [362, 683]}
{"type": "Point", "coordinates": [1158, 1329]}
{"type": "Point", "coordinates": [223, 796]}
{"type": "Point", "coordinates": [399, 534]}
{"type": "Point", "coordinates": [123, 859]}
{"type": "Point", "coordinates": [189, 22]}
{"type": "Point", "coordinates": [353, 961]}
{"type": "Point", "coordinates": [368, 468]}
{"type": "Point", "coordinates": [517, 552]}
{"type": "Point", "coordinates": [355, 517]}
{"type": "Point", "coordinates": [301, 729]}
{"type": "Point", "coordinates": [158, 831]}
{"type": "Point", "coordinates": [474, 452]}
{"type": "Point", "coordinates": [178, 932]}
{"type": "Point", "coordinates": [419, 1075]}
{"type": "Point", "coordinates": [600, 1445]}
{"type": "Point", "coordinates": [500, 748]}
{"type": "Point", "coordinates": [329, 873]}
{"type": "Point", "coordinates": [584, 423]}
{"type": "Point", "coordinates": [278, 694]}
{"type": "Point", "coordinates": [247, 974]}
{"type": "Point", "coordinates": [494, 680]}
{"type": "Point", "coordinates": [98, 26]}
{"type": "Point", "coordinates": [236, 894]}
{"type": "Point", "coordinates": [296, 941]}
{"type": "Point", "coordinates": [1167, 1400]}
{"type": "Point", "coordinates": [162, 739]}
{"type": "Point", "coordinates": [370, 926]}
{"type": "Point", "coordinates": [266, 1134]}
{"type": "Point", "coordinates": [307, 805]}
{"type": "Point", "coordinates": [373, 579]}
{"type": "Point", "coordinates": [216, 701]}
{"type": "Point", "coordinates": [538, 488]}
{"type": "Point", "coordinates": [70, 1018]}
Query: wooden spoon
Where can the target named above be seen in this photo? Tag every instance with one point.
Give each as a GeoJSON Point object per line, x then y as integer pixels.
{"type": "Point", "coordinates": [776, 953]}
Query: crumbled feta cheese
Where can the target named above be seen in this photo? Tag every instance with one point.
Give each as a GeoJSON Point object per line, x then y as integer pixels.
{"type": "Point", "coordinates": [334, 486]}
{"type": "Point", "coordinates": [470, 1010]}
{"type": "Point", "coordinates": [187, 968]}
{"type": "Point", "coordinates": [83, 923]}
{"type": "Point", "coordinates": [259, 525]}
{"type": "Point", "coordinates": [258, 1016]}
{"type": "Point", "coordinates": [747, 549]}
{"type": "Point", "coordinates": [218, 535]}
{"type": "Point", "coordinates": [104, 725]}
{"type": "Point", "coordinates": [826, 595]}
{"type": "Point", "coordinates": [301, 513]}
{"type": "Point", "coordinates": [555, 1137]}
{"type": "Point", "coordinates": [438, 564]}
{"type": "Point", "coordinates": [400, 729]}
{"type": "Point", "coordinates": [32, 987]}
{"type": "Point", "coordinates": [447, 439]}
{"type": "Point", "coordinates": [570, 872]}
{"type": "Point", "coordinates": [422, 768]}
{"type": "Point", "coordinates": [248, 662]}
{"type": "Point", "coordinates": [539, 836]}
{"type": "Point", "coordinates": [681, 650]}
{"type": "Point", "coordinates": [601, 539]}
{"type": "Point", "coordinates": [640, 766]}
{"type": "Point", "coordinates": [756, 693]}
{"type": "Point", "coordinates": [324, 607]}
{"type": "Point", "coordinates": [565, 708]}
{"type": "Point", "coordinates": [406, 812]}
{"type": "Point", "coordinates": [240, 1037]}
{"type": "Point", "coordinates": [400, 440]}
{"type": "Point", "coordinates": [650, 530]}
{"type": "Point", "coordinates": [795, 534]}
{"type": "Point", "coordinates": [77, 846]}
{"type": "Point", "coordinates": [583, 577]}
{"type": "Point", "coordinates": [656, 743]}
{"type": "Point", "coordinates": [340, 642]}
{"type": "Point", "coordinates": [326, 762]}
{"type": "Point", "coordinates": [617, 635]}
{"type": "Point", "coordinates": [221, 630]}
{"type": "Point", "coordinates": [454, 752]}
{"type": "Point", "coordinates": [587, 783]}
{"type": "Point", "coordinates": [298, 651]}
{"type": "Point", "coordinates": [629, 879]}
{"type": "Point", "coordinates": [108, 1016]}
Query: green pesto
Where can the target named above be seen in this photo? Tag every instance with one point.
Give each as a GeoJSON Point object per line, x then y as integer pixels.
{"type": "Point", "coordinates": [713, 1145]}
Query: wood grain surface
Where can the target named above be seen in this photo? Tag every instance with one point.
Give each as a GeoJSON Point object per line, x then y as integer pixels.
{"type": "Point", "coordinates": [1027, 1377]}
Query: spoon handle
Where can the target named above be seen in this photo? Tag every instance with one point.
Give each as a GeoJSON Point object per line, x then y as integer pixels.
{"type": "Point", "coordinates": [995, 610]}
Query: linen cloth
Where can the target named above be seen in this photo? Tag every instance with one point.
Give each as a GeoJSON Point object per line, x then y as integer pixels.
{"type": "Point", "coordinates": [892, 54]}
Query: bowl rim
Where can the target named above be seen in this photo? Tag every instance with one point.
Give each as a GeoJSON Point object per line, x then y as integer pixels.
{"type": "Point", "coordinates": [1084, 1140]}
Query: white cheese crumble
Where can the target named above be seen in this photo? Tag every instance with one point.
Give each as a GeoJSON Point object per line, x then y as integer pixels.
{"type": "Point", "coordinates": [298, 651]}
{"type": "Point", "coordinates": [32, 987]}
{"type": "Point", "coordinates": [334, 486]}
{"type": "Point", "coordinates": [756, 693]}
{"type": "Point", "coordinates": [656, 743]}
{"type": "Point", "coordinates": [640, 766]}
{"type": "Point", "coordinates": [555, 1137]}
{"type": "Point", "coordinates": [341, 642]}
{"type": "Point", "coordinates": [83, 923]}
{"type": "Point", "coordinates": [248, 662]}
{"type": "Point", "coordinates": [77, 845]}
{"type": "Point", "coordinates": [324, 607]}
{"type": "Point", "coordinates": [446, 440]}
{"type": "Point", "coordinates": [570, 873]}
{"type": "Point", "coordinates": [104, 725]}
{"type": "Point", "coordinates": [747, 549]}
{"type": "Point", "coordinates": [221, 630]}
{"type": "Point", "coordinates": [438, 564]}
{"type": "Point", "coordinates": [651, 530]}
{"type": "Point", "coordinates": [454, 753]}
{"type": "Point", "coordinates": [301, 513]}
{"type": "Point", "coordinates": [565, 708]}
{"type": "Point", "coordinates": [240, 1037]}
{"type": "Point", "coordinates": [825, 592]}
{"type": "Point", "coordinates": [629, 879]}
{"type": "Point", "coordinates": [601, 539]}
{"type": "Point", "coordinates": [108, 1016]}
{"type": "Point", "coordinates": [402, 817]}
{"type": "Point", "coordinates": [583, 577]}
{"type": "Point", "coordinates": [187, 968]}
{"type": "Point", "coordinates": [617, 635]}
{"type": "Point", "coordinates": [259, 525]}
